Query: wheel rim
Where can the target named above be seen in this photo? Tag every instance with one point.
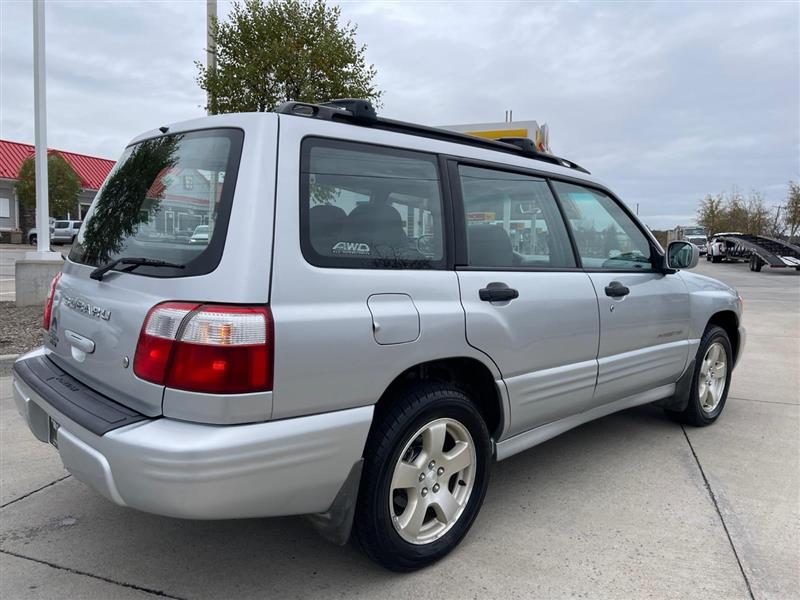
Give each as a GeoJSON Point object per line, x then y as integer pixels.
{"type": "Point", "coordinates": [432, 481]}
{"type": "Point", "coordinates": [712, 378]}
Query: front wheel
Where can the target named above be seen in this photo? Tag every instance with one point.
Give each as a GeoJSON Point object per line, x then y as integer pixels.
{"type": "Point", "coordinates": [33, 239]}
{"type": "Point", "coordinates": [426, 470]}
{"type": "Point", "coordinates": [716, 259]}
{"type": "Point", "coordinates": [711, 380]}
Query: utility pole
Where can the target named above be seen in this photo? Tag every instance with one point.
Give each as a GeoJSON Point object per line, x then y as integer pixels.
{"type": "Point", "coordinates": [211, 48]}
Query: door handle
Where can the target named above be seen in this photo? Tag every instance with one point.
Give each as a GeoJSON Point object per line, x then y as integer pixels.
{"type": "Point", "coordinates": [616, 290]}
{"type": "Point", "coordinates": [497, 291]}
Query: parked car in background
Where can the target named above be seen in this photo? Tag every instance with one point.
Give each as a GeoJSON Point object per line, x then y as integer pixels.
{"type": "Point", "coordinates": [359, 336]}
{"type": "Point", "coordinates": [33, 235]}
{"type": "Point", "coordinates": [200, 235]}
{"type": "Point", "coordinates": [64, 232]}
{"type": "Point", "coordinates": [717, 249]}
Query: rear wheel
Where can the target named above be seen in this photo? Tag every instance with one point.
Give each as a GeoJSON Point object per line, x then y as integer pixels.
{"type": "Point", "coordinates": [425, 475]}
{"type": "Point", "coordinates": [755, 263]}
{"type": "Point", "coordinates": [711, 379]}
{"type": "Point", "coordinates": [33, 239]}
{"type": "Point", "coordinates": [716, 259]}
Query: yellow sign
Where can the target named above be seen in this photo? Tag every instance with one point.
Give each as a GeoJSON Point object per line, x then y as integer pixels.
{"type": "Point", "coordinates": [496, 134]}
{"type": "Point", "coordinates": [480, 217]}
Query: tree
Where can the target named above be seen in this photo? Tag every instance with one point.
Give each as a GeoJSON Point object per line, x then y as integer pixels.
{"type": "Point", "coordinates": [777, 226]}
{"type": "Point", "coordinates": [792, 213]}
{"type": "Point", "coordinates": [736, 209]}
{"type": "Point", "coordinates": [63, 185]}
{"type": "Point", "coordinates": [712, 214]}
{"type": "Point", "coordinates": [758, 215]}
{"type": "Point", "coordinates": [132, 195]}
{"type": "Point", "coordinates": [279, 50]}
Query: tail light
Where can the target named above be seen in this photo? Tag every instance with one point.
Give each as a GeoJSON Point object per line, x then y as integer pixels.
{"type": "Point", "coordinates": [48, 304]}
{"type": "Point", "coordinates": [206, 348]}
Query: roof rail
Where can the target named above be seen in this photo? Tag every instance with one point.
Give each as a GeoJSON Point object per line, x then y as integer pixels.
{"type": "Point", "coordinates": [362, 112]}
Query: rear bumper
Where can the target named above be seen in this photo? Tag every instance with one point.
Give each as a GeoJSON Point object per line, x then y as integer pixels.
{"type": "Point", "coordinates": [196, 471]}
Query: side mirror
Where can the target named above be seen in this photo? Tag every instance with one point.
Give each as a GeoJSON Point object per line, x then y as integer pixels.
{"type": "Point", "coordinates": [682, 255]}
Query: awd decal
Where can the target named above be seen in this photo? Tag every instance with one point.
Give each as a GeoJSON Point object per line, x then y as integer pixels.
{"type": "Point", "coordinates": [357, 248]}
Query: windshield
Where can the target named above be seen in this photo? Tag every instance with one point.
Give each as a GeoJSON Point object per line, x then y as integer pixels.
{"type": "Point", "coordinates": [162, 191]}
{"type": "Point", "coordinates": [693, 231]}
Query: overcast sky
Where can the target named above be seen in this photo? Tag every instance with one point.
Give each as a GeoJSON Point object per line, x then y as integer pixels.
{"type": "Point", "coordinates": [665, 102]}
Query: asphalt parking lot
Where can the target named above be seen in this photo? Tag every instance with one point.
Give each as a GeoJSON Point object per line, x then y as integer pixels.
{"type": "Point", "coordinates": [630, 506]}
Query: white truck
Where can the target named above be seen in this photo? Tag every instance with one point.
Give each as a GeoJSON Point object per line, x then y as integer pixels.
{"type": "Point", "coordinates": [693, 234]}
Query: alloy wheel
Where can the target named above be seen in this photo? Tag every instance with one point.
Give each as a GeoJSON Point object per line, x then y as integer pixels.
{"type": "Point", "coordinates": [712, 377]}
{"type": "Point", "coordinates": [432, 481]}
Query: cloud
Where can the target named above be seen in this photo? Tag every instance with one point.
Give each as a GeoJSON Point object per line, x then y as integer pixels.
{"type": "Point", "coordinates": [663, 101]}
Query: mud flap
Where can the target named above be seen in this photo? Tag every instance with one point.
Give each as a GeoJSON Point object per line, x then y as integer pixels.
{"type": "Point", "coordinates": [336, 523]}
{"type": "Point", "coordinates": [683, 388]}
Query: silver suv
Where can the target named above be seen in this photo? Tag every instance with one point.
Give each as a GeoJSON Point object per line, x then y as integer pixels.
{"type": "Point", "coordinates": [380, 312]}
{"type": "Point", "coordinates": [65, 232]}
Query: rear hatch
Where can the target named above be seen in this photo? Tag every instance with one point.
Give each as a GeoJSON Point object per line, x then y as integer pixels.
{"type": "Point", "coordinates": [158, 194]}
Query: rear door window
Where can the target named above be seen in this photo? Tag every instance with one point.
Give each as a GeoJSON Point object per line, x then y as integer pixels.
{"type": "Point", "coordinates": [371, 207]}
{"type": "Point", "coordinates": [155, 199]}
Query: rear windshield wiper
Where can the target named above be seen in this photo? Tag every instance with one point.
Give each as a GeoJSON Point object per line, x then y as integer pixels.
{"type": "Point", "coordinates": [134, 262]}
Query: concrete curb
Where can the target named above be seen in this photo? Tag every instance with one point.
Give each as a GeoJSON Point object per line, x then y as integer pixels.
{"type": "Point", "coordinates": [6, 362]}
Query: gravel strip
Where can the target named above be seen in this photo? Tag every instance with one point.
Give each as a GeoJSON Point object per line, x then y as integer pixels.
{"type": "Point", "coordinates": [20, 328]}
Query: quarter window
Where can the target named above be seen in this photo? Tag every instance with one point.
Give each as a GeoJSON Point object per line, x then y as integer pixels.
{"type": "Point", "coordinates": [370, 207]}
{"type": "Point", "coordinates": [512, 221]}
{"type": "Point", "coordinates": [606, 237]}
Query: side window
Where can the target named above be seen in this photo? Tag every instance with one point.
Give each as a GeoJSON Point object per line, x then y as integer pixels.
{"type": "Point", "coordinates": [370, 207]}
{"type": "Point", "coordinates": [606, 237]}
{"type": "Point", "coordinates": [512, 221]}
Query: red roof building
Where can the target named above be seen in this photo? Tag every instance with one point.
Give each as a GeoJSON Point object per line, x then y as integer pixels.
{"type": "Point", "coordinates": [91, 170]}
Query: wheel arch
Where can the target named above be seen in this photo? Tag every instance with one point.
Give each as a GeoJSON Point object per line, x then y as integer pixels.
{"type": "Point", "coordinates": [467, 373]}
{"type": "Point", "coordinates": [729, 321]}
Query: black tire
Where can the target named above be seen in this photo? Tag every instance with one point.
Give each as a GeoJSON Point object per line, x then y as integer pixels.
{"type": "Point", "coordinates": [33, 239]}
{"type": "Point", "coordinates": [758, 264]}
{"type": "Point", "coordinates": [752, 263]}
{"type": "Point", "coordinates": [716, 259]}
{"type": "Point", "coordinates": [694, 414]}
{"type": "Point", "coordinates": [410, 410]}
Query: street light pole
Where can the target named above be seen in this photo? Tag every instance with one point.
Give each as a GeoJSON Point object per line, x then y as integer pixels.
{"type": "Point", "coordinates": [211, 49]}
{"type": "Point", "coordinates": [32, 274]}
{"type": "Point", "coordinates": [40, 128]}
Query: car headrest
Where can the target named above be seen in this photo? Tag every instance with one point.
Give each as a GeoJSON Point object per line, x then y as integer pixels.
{"type": "Point", "coordinates": [489, 246]}
{"type": "Point", "coordinates": [375, 223]}
{"type": "Point", "coordinates": [325, 226]}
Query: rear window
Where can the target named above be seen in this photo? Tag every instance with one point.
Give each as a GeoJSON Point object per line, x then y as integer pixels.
{"type": "Point", "coordinates": [156, 198]}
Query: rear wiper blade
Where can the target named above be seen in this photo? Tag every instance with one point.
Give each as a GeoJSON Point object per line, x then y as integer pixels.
{"type": "Point", "coordinates": [135, 262]}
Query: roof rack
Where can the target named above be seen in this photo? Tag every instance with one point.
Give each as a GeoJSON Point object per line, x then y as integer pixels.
{"type": "Point", "coordinates": [362, 112]}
